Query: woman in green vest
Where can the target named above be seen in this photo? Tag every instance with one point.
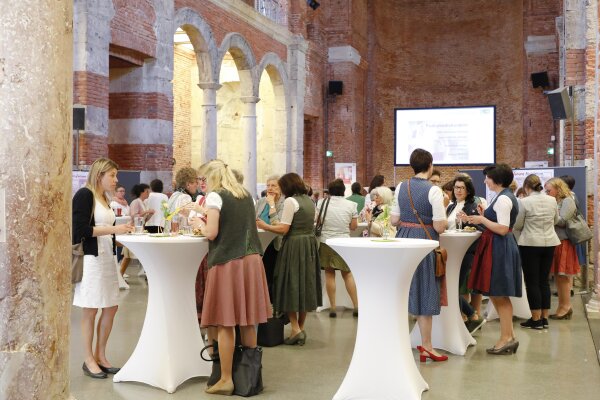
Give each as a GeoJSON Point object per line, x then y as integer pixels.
{"type": "Point", "coordinates": [297, 277]}
{"type": "Point", "coordinates": [236, 288]}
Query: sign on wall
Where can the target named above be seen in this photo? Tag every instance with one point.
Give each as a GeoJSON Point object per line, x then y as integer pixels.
{"type": "Point", "coordinates": [347, 173]}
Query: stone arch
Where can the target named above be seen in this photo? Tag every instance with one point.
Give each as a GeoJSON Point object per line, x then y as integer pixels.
{"type": "Point", "coordinates": [202, 38]}
{"type": "Point", "coordinates": [244, 59]}
{"type": "Point", "coordinates": [273, 112]}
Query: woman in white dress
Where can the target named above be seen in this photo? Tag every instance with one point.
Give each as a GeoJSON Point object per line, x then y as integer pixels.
{"type": "Point", "coordinates": [93, 224]}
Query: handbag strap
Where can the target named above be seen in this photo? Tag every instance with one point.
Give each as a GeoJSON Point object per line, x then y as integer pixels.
{"type": "Point", "coordinates": [321, 220]}
{"type": "Point", "coordinates": [414, 210]}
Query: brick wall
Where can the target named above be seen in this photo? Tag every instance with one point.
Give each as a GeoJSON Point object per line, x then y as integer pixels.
{"type": "Point", "coordinates": [145, 157]}
{"type": "Point", "coordinates": [90, 89]}
{"type": "Point", "coordinates": [182, 134]}
{"type": "Point", "coordinates": [455, 54]}
{"type": "Point", "coordinates": [132, 26]}
{"type": "Point", "coordinates": [91, 147]}
{"type": "Point", "coordinates": [222, 23]}
{"type": "Point", "coordinates": [538, 126]}
{"type": "Point", "coordinates": [140, 105]}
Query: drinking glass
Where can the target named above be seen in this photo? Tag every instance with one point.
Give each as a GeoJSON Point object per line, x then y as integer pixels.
{"type": "Point", "coordinates": [138, 223]}
{"type": "Point", "coordinates": [175, 224]}
{"type": "Point", "coordinates": [458, 224]}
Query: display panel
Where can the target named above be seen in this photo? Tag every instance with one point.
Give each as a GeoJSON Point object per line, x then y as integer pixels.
{"type": "Point", "coordinates": [453, 135]}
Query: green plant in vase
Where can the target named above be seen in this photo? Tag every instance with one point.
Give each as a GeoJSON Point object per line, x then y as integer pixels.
{"type": "Point", "coordinates": [168, 215]}
{"type": "Point", "coordinates": [384, 219]}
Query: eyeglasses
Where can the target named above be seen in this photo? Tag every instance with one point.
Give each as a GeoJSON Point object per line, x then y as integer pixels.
{"type": "Point", "coordinates": [460, 188]}
{"type": "Point", "coordinates": [203, 179]}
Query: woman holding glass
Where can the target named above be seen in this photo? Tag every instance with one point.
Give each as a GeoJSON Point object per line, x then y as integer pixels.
{"type": "Point", "coordinates": [119, 202]}
{"type": "Point", "coordinates": [93, 224]}
{"type": "Point", "coordinates": [297, 279]}
{"type": "Point", "coordinates": [236, 287]}
{"type": "Point", "coordinates": [496, 270]}
{"type": "Point", "coordinates": [377, 219]}
{"type": "Point", "coordinates": [419, 196]}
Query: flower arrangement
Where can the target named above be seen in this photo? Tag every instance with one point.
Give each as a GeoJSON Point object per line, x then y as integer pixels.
{"type": "Point", "coordinates": [384, 219]}
{"type": "Point", "coordinates": [167, 214]}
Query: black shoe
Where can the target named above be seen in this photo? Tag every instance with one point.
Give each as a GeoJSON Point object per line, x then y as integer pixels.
{"type": "Point", "coordinates": [332, 314]}
{"type": "Point", "coordinates": [531, 324]}
{"type": "Point", "coordinates": [355, 313]}
{"type": "Point", "coordinates": [474, 325]}
{"type": "Point", "coordinates": [99, 375]}
{"type": "Point", "coordinates": [545, 323]}
{"type": "Point", "coordinates": [109, 370]}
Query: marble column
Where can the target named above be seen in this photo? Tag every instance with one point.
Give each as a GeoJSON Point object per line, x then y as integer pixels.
{"type": "Point", "coordinates": [249, 142]}
{"type": "Point", "coordinates": [36, 90]}
{"type": "Point", "coordinates": [209, 113]}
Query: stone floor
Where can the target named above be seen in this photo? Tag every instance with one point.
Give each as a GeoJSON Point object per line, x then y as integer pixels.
{"type": "Point", "coordinates": [558, 363]}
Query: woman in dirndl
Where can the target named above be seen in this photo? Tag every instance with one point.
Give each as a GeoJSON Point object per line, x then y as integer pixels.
{"type": "Point", "coordinates": [236, 287]}
{"type": "Point", "coordinates": [425, 296]}
{"type": "Point", "coordinates": [496, 270]}
{"type": "Point", "coordinates": [565, 264]}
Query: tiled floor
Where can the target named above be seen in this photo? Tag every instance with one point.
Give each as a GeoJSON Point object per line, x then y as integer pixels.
{"type": "Point", "coordinates": [558, 363]}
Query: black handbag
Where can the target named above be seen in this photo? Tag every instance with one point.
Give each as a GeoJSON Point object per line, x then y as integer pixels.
{"type": "Point", "coordinates": [246, 370]}
{"type": "Point", "coordinates": [270, 333]}
{"type": "Point", "coordinates": [321, 217]}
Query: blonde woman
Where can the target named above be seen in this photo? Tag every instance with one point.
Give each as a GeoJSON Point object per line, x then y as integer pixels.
{"type": "Point", "coordinates": [565, 263]}
{"type": "Point", "coordinates": [236, 287]}
{"type": "Point", "coordinates": [93, 223]}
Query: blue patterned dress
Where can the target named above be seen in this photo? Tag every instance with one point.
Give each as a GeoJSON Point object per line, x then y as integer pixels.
{"type": "Point", "coordinates": [424, 297]}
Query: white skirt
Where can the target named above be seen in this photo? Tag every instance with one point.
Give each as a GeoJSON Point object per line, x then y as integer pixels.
{"type": "Point", "coordinates": [99, 287]}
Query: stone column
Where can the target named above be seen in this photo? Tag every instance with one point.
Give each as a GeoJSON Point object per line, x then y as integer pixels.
{"type": "Point", "coordinates": [249, 142]}
{"type": "Point", "coordinates": [209, 113]}
{"type": "Point", "coordinates": [297, 73]}
{"type": "Point", "coordinates": [36, 90]}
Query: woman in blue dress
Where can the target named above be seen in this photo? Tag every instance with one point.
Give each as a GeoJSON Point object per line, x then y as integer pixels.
{"type": "Point", "coordinates": [496, 270]}
{"type": "Point", "coordinates": [428, 200]}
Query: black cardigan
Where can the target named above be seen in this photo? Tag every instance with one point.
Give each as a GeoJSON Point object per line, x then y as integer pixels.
{"type": "Point", "coordinates": [84, 222]}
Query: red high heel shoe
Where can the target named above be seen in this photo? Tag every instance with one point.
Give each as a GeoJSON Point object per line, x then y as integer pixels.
{"type": "Point", "coordinates": [424, 357]}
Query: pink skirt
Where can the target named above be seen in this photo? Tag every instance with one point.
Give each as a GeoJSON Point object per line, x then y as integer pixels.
{"type": "Point", "coordinates": [565, 259]}
{"type": "Point", "coordinates": [236, 293]}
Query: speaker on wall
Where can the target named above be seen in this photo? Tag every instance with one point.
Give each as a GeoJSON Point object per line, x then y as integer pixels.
{"type": "Point", "coordinates": [560, 103]}
{"type": "Point", "coordinates": [540, 79]}
{"type": "Point", "coordinates": [78, 118]}
{"type": "Point", "coordinates": [335, 87]}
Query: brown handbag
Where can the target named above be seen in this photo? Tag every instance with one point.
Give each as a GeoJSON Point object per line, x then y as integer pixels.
{"type": "Point", "coordinates": [441, 255]}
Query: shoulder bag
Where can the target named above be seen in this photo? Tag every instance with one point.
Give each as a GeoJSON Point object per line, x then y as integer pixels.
{"type": "Point", "coordinates": [577, 229]}
{"type": "Point", "coordinates": [441, 255]}
{"type": "Point", "coordinates": [77, 256]}
{"type": "Point", "coordinates": [321, 217]}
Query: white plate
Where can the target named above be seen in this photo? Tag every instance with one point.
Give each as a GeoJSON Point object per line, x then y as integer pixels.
{"type": "Point", "coordinates": [138, 234]}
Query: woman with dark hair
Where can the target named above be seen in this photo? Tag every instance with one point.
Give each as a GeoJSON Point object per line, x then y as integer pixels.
{"type": "Point", "coordinates": [340, 219]}
{"type": "Point", "coordinates": [297, 277]}
{"type": "Point", "coordinates": [538, 213]}
{"type": "Point", "coordinates": [496, 270]}
{"type": "Point", "coordinates": [464, 203]}
{"type": "Point", "coordinates": [356, 196]}
{"type": "Point", "coordinates": [419, 200]}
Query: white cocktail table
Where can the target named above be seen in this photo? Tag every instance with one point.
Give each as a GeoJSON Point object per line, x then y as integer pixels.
{"type": "Point", "coordinates": [520, 305]}
{"type": "Point", "coordinates": [266, 237]}
{"type": "Point", "coordinates": [382, 366]}
{"type": "Point", "coordinates": [168, 350]}
{"type": "Point", "coordinates": [449, 331]}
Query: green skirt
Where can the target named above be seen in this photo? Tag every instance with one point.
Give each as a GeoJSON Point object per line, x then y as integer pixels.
{"type": "Point", "coordinates": [331, 259]}
{"type": "Point", "coordinates": [297, 277]}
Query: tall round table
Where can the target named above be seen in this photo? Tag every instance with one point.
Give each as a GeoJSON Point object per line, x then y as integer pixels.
{"type": "Point", "coordinates": [168, 350]}
{"type": "Point", "coordinates": [382, 366]}
{"type": "Point", "coordinates": [449, 331]}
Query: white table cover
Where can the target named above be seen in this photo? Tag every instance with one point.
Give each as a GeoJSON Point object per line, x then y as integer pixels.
{"type": "Point", "coordinates": [168, 350]}
{"type": "Point", "coordinates": [266, 238]}
{"type": "Point", "coordinates": [359, 229]}
{"type": "Point", "coordinates": [382, 366]}
{"type": "Point", "coordinates": [520, 306]}
{"type": "Point", "coordinates": [122, 283]}
{"type": "Point", "coordinates": [449, 331]}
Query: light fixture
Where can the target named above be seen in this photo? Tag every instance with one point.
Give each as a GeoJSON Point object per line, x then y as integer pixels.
{"type": "Point", "coordinates": [314, 4]}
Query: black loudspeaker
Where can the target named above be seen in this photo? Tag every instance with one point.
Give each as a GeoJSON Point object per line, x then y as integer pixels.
{"type": "Point", "coordinates": [540, 79]}
{"type": "Point", "coordinates": [78, 118]}
{"type": "Point", "coordinates": [560, 103]}
{"type": "Point", "coordinates": [335, 87]}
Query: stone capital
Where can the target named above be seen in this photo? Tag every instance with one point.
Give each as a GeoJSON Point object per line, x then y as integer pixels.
{"type": "Point", "coordinates": [250, 99]}
{"type": "Point", "coordinates": [209, 85]}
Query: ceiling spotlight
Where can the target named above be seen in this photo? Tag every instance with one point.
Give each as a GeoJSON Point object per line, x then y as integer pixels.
{"type": "Point", "coordinates": [314, 4]}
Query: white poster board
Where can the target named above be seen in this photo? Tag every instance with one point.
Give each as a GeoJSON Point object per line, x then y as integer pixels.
{"type": "Point", "coordinates": [520, 175]}
{"type": "Point", "coordinates": [347, 173]}
{"type": "Point", "coordinates": [78, 181]}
